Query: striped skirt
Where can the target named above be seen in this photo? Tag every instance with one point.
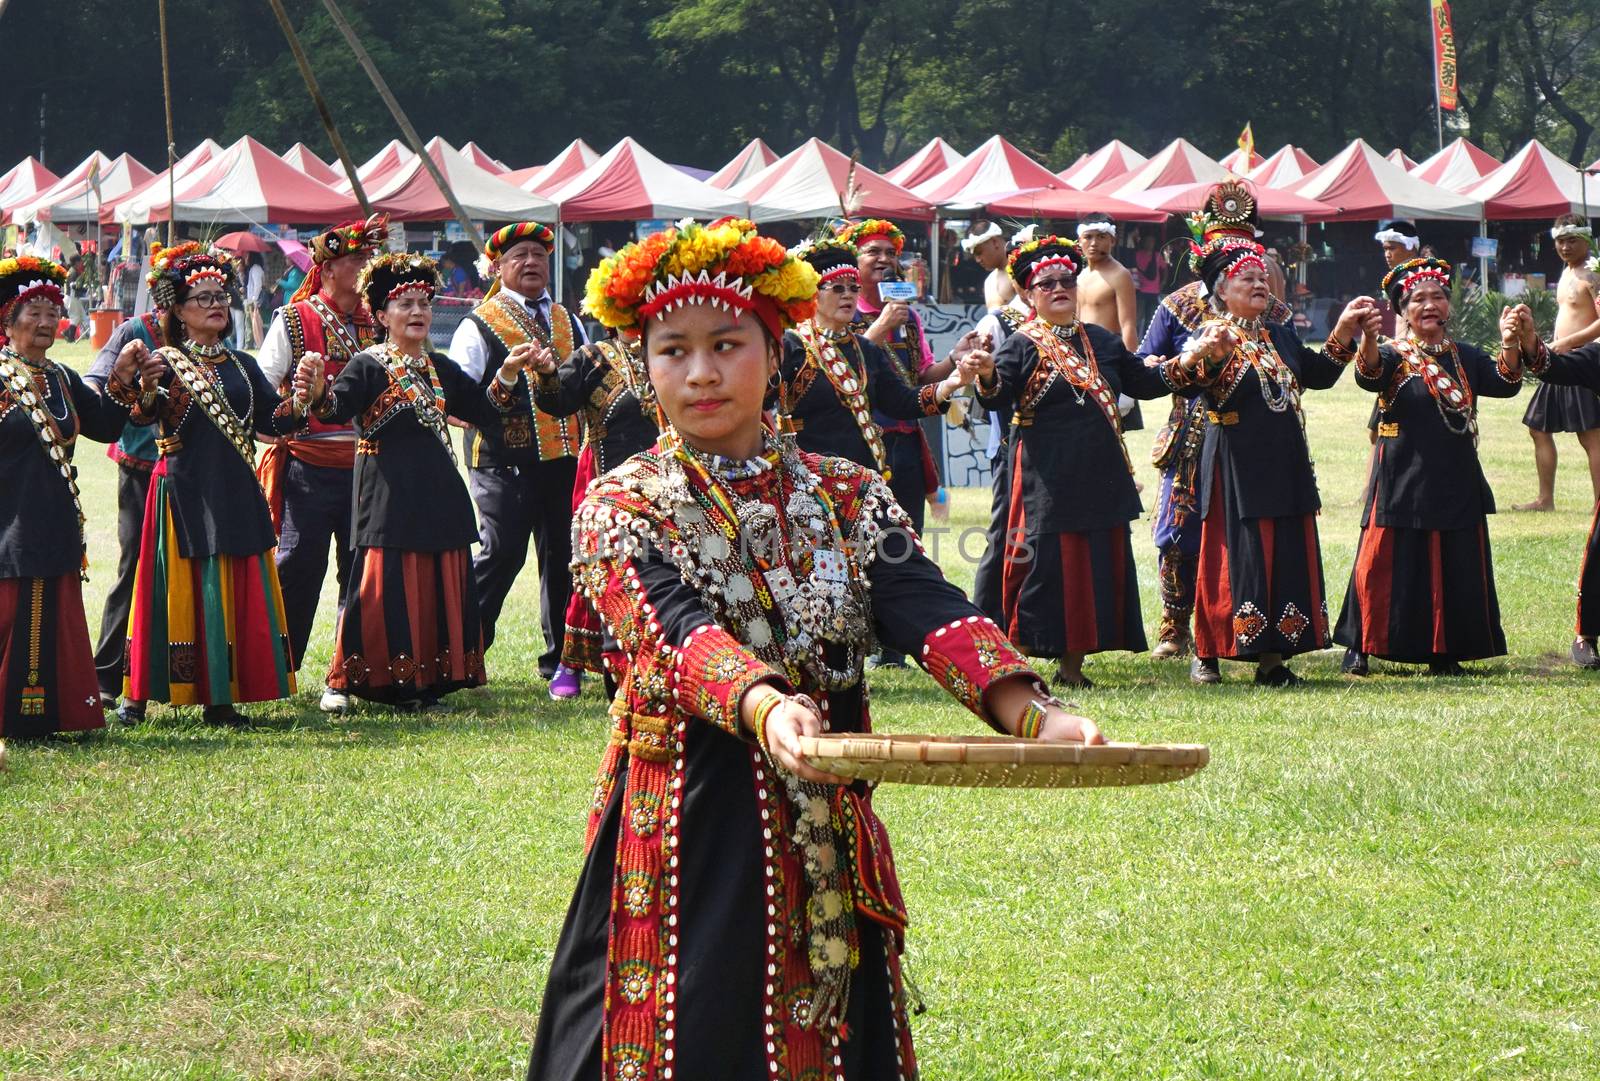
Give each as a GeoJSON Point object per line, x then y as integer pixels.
{"type": "Point", "coordinates": [47, 678]}
{"type": "Point", "coordinates": [207, 631]}
{"type": "Point", "coordinates": [582, 645]}
{"type": "Point", "coordinates": [1420, 596]}
{"type": "Point", "coordinates": [410, 629]}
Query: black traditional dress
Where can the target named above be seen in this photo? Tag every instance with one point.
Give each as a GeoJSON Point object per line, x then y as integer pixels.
{"type": "Point", "coordinates": [603, 383]}
{"type": "Point", "coordinates": [208, 625]}
{"type": "Point", "coordinates": [701, 942]}
{"type": "Point", "coordinates": [832, 386]}
{"type": "Point", "coordinates": [1579, 368]}
{"type": "Point", "coordinates": [1422, 588]}
{"type": "Point", "coordinates": [410, 629]}
{"type": "Point", "coordinates": [47, 674]}
{"type": "Point", "coordinates": [1069, 584]}
{"type": "Point", "coordinates": [1259, 580]}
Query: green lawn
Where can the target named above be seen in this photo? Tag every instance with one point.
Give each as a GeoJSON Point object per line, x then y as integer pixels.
{"type": "Point", "coordinates": [1397, 878]}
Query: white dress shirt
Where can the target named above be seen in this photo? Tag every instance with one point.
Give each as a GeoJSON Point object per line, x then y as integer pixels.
{"type": "Point", "coordinates": [470, 350]}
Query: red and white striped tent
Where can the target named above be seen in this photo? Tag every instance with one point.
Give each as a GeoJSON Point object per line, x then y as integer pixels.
{"type": "Point", "coordinates": [80, 195]}
{"type": "Point", "coordinates": [246, 184]}
{"type": "Point", "coordinates": [1115, 159]}
{"type": "Point", "coordinates": [934, 158]}
{"type": "Point", "coordinates": [1236, 162]}
{"type": "Point", "coordinates": [379, 168]}
{"type": "Point", "coordinates": [544, 179]}
{"type": "Point", "coordinates": [1283, 167]}
{"type": "Point", "coordinates": [1360, 184]}
{"type": "Point", "coordinates": [1402, 159]}
{"type": "Point", "coordinates": [301, 157]}
{"type": "Point", "coordinates": [23, 181]}
{"type": "Point", "coordinates": [994, 170]}
{"type": "Point", "coordinates": [409, 193]}
{"type": "Point", "coordinates": [156, 188]}
{"type": "Point", "coordinates": [1457, 167]}
{"type": "Point", "coordinates": [1534, 183]}
{"type": "Point", "coordinates": [755, 157]}
{"type": "Point", "coordinates": [483, 160]}
{"type": "Point", "coordinates": [629, 182]}
{"type": "Point", "coordinates": [808, 182]}
{"type": "Point", "coordinates": [1179, 162]}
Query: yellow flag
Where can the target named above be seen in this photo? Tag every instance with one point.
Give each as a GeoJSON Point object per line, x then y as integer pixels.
{"type": "Point", "coordinates": [1247, 144]}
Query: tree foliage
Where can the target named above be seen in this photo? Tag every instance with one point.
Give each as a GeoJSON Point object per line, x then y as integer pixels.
{"type": "Point", "coordinates": [694, 79]}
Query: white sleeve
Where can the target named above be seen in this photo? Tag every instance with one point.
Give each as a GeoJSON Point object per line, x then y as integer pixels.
{"type": "Point", "coordinates": [990, 325]}
{"type": "Point", "coordinates": [468, 350]}
{"type": "Point", "coordinates": [274, 356]}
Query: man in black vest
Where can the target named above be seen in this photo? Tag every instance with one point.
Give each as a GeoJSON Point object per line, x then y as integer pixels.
{"type": "Point", "coordinates": [522, 477]}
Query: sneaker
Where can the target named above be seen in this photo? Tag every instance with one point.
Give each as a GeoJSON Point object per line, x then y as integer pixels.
{"type": "Point", "coordinates": [1583, 653]}
{"type": "Point", "coordinates": [334, 701]}
{"type": "Point", "coordinates": [567, 683]}
{"type": "Point", "coordinates": [1278, 677]}
{"type": "Point", "coordinates": [131, 713]}
{"type": "Point", "coordinates": [1205, 670]}
{"type": "Point", "coordinates": [1354, 663]}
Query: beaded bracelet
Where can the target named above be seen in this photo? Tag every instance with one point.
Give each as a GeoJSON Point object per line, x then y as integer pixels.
{"type": "Point", "coordinates": [1034, 713]}
{"type": "Point", "coordinates": [758, 719]}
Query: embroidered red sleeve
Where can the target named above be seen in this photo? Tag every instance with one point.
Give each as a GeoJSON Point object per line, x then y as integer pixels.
{"type": "Point", "coordinates": [713, 671]}
{"type": "Point", "coordinates": [968, 656]}
{"type": "Point", "coordinates": [928, 400]}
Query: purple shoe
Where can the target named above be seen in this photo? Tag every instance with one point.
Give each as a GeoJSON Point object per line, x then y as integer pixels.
{"type": "Point", "coordinates": [566, 683]}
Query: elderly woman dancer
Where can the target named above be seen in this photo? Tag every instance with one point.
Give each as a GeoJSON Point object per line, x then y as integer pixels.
{"type": "Point", "coordinates": [47, 675]}
{"type": "Point", "coordinates": [1259, 593]}
{"type": "Point", "coordinates": [1069, 586]}
{"type": "Point", "coordinates": [738, 915]}
{"type": "Point", "coordinates": [1422, 589]}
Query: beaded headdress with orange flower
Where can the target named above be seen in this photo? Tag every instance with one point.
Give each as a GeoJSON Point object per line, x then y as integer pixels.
{"type": "Point", "coordinates": [727, 264]}
{"type": "Point", "coordinates": [183, 266]}
{"type": "Point", "coordinates": [1405, 277]}
{"type": "Point", "coordinates": [1050, 250]}
{"type": "Point", "coordinates": [350, 238]}
{"type": "Point", "coordinates": [859, 232]}
{"type": "Point", "coordinates": [25, 277]}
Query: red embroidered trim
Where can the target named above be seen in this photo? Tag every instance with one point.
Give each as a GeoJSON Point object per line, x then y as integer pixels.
{"type": "Point", "coordinates": [968, 656]}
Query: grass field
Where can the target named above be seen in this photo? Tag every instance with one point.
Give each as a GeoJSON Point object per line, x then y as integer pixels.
{"type": "Point", "coordinates": [1396, 878]}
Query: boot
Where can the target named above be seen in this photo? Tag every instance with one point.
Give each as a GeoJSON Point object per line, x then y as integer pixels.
{"type": "Point", "coordinates": [1172, 635]}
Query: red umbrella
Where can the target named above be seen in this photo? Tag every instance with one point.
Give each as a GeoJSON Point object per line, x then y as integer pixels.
{"type": "Point", "coordinates": [241, 242]}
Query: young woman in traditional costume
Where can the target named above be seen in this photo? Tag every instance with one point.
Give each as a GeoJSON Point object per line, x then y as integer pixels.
{"type": "Point", "coordinates": [1520, 342]}
{"type": "Point", "coordinates": [1259, 593]}
{"type": "Point", "coordinates": [410, 631]}
{"type": "Point", "coordinates": [1069, 585]}
{"type": "Point", "coordinates": [208, 624]}
{"type": "Point", "coordinates": [738, 915]}
{"type": "Point", "coordinates": [47, 673]}
{"type": "Point", "coordinates": [1422, 588]}
{"type": "Point", "coordinates": [834, 379]}
{"type": "Point", "coordinates": [607, 383]}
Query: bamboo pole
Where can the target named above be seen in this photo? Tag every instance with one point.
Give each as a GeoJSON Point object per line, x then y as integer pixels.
{"type": "Point", "coordinates": [172, 139]}
{"type": "Point", "coordinates": [323, 111]}
{"type": "Point", "coordinates": [400, 118]}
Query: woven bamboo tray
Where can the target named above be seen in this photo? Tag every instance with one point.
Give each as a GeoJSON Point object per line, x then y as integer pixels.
{"type": "Point", "coordinates": [1000, 761]}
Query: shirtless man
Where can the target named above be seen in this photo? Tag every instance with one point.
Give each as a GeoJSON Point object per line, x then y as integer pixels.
{"type": "Point", "coordinates": [985, 243]}
{"type": "Point", "coordinates": [1107, 298]}
{"type": "Point", "coordinates": [1555, 409]}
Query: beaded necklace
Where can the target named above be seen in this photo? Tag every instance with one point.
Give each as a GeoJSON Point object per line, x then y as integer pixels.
{"type": "Point", "coordinates": [1448, 386]}
{"type": "Point", "coordinates": [849, 384]}
{"type": "Point", "coordinates": [1280, 390]}
{"type": "Point", "coordinates": [416, 380]}
{"type": "Point", "coordinates": [16, 373]}
{"type": "Point", "coordinates": [203, 381]}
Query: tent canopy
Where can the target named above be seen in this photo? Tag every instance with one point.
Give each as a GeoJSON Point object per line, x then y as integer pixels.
{"type": "Point", "coordinates": [755, 157]}
{"type": "Point", "coordinates": [1270, 202]}
{"type": "Point", "coordinates": [23, 182]}
{"type": "Point", "coordinates": [1362, 185]}
{"type": "Point", "coordinates": [1283, 167]}
{"type": "Point", "coordinates": [155, 189]}
{"type": "Point", "coordinates": [300, 156]}
{"type": "Point", "coordinates": [409, 193]}
{"type": "Point", "coordinates": [246, 184]}
{"type": "Point", "coordinates": [1237, 162]}
{"type": "Point", "coordinates": [629, 182]}
{"type": "Point", "coordinates": [808, 182]}
{"type": "Point", "coordinates": [1534, 183]}
{"type": "Point", "coordinates": [545, 179]}
{"type": "Point", "coordinates": [1179, 162]}
{"type": "Point", "coordinates": [378, 168]}
{"type": "Point", "coordinates": [479, 157]}
{"type": "Point", "coordinates": [1402, 159]}
{"type": "Point", "coordinates": [80, 195]}
{"type": "Point", "coordinates": [994, 170]}
{"type": "Point", "coordinates": [1457, 167]}
{"type": "Point", "coordinates": [1063, 204]}
{"type": "Point", "coordinates": [934, 158]}
{"type": "Point", "coordinates": [1115, 159]}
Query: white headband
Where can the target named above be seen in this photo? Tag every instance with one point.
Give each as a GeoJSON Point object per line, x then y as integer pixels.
{"type": "Point", "coordinates": [1390, 236]}
{"type": "Point", "coordinates": [970, 244]}
{"type": "Point", "coordinates": [1572, 230]}
{"type": "Point", "coordinates": [1087, 227]}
